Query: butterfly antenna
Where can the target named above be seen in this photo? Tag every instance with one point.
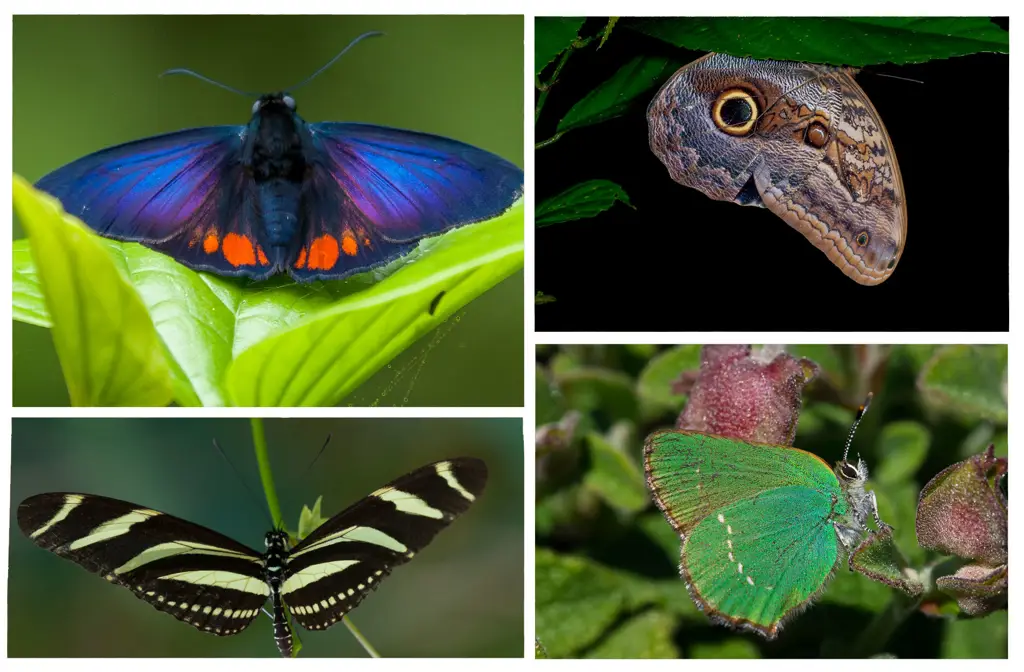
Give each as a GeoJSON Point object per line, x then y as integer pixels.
{"type": "Point", "coordinates": [372, 33]}
{"type": "Point", "coordinates": [255, 499]}
{"type": "Point", "coordinates": [322, 449]}
{"type": "Point", "coordinates": [856, 421]}
{"type": "Point", "coordinates": [905, 79]}
{"type": "Point", "coordinates": [183, 71]}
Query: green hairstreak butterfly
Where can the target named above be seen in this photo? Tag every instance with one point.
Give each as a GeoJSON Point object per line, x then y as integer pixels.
{"type": "Point", "coordinates": [763, 527]}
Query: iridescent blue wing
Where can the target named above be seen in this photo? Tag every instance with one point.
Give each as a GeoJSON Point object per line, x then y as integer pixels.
{"type": "Point", "coordinates": [185, 194]}
{"type": "Point", "coordinates": [373, 192]}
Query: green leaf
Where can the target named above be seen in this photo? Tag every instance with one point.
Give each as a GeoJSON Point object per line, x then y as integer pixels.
{"type": "Point", "coordinates": [279, 343]}
{"type": "Point", "coordinates": [855, 41]}
{"type": "Point", "coordinates": [108, 349]}
{"type": "Point", "coordinates": [977, 637]}
{"type": "Point", "coordinates": [614, 96]}
{"type": "Point", "coordinates": [648, 635]}
{"type": "Point", "coordinates": [552, 35]}
{"type": "Point", "coordinates": [310, 519]}
{"type": "Point", "coordinates": [968, 380]}
{"type": "Point", "coordinates": [302, 366]}
{"type": "Point", "coordinates": [903, 446]}
{"type": "Point", "coordinates": [655, 382]}
{"type": "Point", "coordinates": [614, 477]}
{"type": "Point", "coordinates": [591, 388]}
{"type": "Point", "coordinates": [658, 530]}
{"type": "Point", "coordinates": [580, 201]}
{"type": "Point", "coordinates": [576, 601]}
{"type": "Point", "coordinates": [729, 648]}
{"type": "Point", "coordinates": [550, 406]}
{"type": "Point", "coordinates": [828, 359]}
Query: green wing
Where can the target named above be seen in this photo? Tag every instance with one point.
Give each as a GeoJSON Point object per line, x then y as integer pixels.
{"type": "Point", "coordinates": [692, 475]}
{"type": "Point", "coordinates": [758, 542]}
{"type": "Point", "coordinates": [757, 561]}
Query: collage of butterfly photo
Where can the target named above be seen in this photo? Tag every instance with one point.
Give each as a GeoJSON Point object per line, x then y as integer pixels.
{"type": "Point", "coordinates": [442, 334]}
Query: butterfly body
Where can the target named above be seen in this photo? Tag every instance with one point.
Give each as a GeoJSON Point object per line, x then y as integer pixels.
{"type": "Point", "coordinates": [317, 201]}
{"type": "Point", "coordinates": [763, 527]}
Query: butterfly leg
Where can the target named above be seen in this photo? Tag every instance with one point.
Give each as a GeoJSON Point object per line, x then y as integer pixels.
{"type": "Point", "coordinates": [882, 525]}
{"type": "Point", "coordinates": [849, 537]}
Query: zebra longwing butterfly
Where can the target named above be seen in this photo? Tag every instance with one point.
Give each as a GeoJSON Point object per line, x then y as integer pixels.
{"type": "Point", "coordinates": [219, 586]}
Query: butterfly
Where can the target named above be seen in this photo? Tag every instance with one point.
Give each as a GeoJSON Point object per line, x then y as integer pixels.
{"type": "Point", "coordinates": [763, 527]}
{"type": "Point", "coordinates": [318, 201]}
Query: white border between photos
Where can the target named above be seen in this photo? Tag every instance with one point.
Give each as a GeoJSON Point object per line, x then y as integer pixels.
{"type": "Point", "coordinates": [530, 8]}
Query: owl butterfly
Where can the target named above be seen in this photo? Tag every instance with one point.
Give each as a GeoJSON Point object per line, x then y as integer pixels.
{"type": "Point", "coordinates": [802, 140]}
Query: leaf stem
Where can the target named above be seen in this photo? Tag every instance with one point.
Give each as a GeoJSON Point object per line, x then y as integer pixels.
{"type": "Point", "coordinates": [553, 138]}
{"type": "Point", "coordinates": [359, 637]}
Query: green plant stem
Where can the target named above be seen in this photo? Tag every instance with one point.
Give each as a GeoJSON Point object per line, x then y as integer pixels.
{"type": "Point", "coordinates": [876, 636]}
{"type": "Point", "coordinates": [359, 637]}
{"type": "Point", "coordinates": [545, 87]}
{"type": "Point", "coordinates": [259, 445]}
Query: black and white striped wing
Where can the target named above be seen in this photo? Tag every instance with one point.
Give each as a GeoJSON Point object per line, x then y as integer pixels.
{"type": "Point", "coordinates": [193, 573]}
{"type": "Point", "coordinates": [336, 566]}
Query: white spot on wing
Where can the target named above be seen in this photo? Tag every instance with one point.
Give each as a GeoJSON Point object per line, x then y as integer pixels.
{"type": "Point", "coordinates": [114, 528]}
{"type": "Point", "coordinates": [314, 573]}
{"type": "Point", "coordinates": [408, 503]}
{"type": "Point", "coordinates": [70, 502]}
{"type": "Point", "coordinates": [444, 470]}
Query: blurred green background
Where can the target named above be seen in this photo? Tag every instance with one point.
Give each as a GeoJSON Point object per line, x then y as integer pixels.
{"type": "Point", "coordinates": [607, 562]}
{"type": "Point", "coordinates": [82, 83]}
{"type": "Point", "coordinates": [460, 597]}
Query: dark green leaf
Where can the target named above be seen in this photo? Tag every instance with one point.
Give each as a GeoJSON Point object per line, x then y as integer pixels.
{"type": "Point", "coordinates": [581, 201]}
{"type": "Point", "coordinates": [576, 601]}
{"type": "Point", "coordinates": [730, 648]}
{"type": "Point", "coordinates": [977, 637]}
{"type": "Point", "coordinates": [967, 380]}
{"type": "Point", "coordinates": [614, 96]}
{"type": "Point", "coordinates": [903, 447]}
{"type": "Point", "coordinates": [655, 383]}
{"type": "Point", "coordinates": [648, 635]}
{"type": "Point", "coordinates": [837, 41]}
{"type": "Point", "coordinates": [552, 35]}
{"type": "Point", "coordinates": [589, 388]}
{"type": "Point", "coordinates": [109, 350]}
{"type": "Point", "coordinates": [616, 479]}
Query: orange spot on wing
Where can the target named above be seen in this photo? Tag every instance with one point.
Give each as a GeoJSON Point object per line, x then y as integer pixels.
{"type": "Point", "coordinates": [349, 245]}
{"type": "Point", "coordinates": [211, 242]}
{"type": "Point", "coordinates": [238, 250]}
{"type": "Point", "coordinates": [301, 263]}
{"type": "Point", "coordinates": [323, 253]}
{"type": "Point", "coordinates": [262, 257]}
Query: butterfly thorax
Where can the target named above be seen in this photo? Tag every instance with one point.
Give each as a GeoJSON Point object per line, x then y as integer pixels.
{"type": "Point", "coordinates": [852, 525]}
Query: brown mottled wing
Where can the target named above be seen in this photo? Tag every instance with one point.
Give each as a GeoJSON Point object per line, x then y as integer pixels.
{"type": "Point", "coordinates": [817, 154]}
{"type": "Point", "coordinates": [203, 578]}
{"type": "Point", "coordinates": [336, 566]}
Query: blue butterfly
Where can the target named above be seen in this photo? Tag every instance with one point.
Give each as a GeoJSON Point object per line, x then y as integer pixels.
{"type": "Point", "coordinates": [279, 195]}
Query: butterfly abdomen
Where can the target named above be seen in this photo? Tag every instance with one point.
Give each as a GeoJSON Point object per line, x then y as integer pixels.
{"type": "Point", "coordinates": [279, 207]}
{"type": "Point", "coordinates": [278, 167]}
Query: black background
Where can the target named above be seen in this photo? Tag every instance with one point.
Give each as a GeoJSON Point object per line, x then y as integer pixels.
{"type": "Point", "coordinates": [683, 262]}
